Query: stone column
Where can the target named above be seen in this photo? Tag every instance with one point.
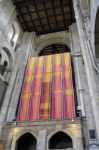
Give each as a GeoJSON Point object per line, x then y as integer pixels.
{"type": "Point", "coordinates": [90, 73]}
{"type": "Point", "coordinates": [78, 67]}
{"type": "Point", "coordinates": [41, 140]}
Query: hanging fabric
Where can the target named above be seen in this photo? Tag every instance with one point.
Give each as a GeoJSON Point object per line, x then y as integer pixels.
{"type": "Point", "coordinates": [47, 91]}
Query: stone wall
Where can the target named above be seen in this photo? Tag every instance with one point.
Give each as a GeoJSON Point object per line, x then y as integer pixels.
{"type": "Point", "coordinates": [3, 86]}
{"type": "Point", "coordinates": [30, 45]}
{"type": "Point", "coordinates": [73, 129]}
{"type": "Point", "coordinates": [7, 17]}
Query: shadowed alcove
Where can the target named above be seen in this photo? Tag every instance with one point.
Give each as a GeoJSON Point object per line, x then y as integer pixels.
{"type": "Point", "coordinates": [60, 140]}
{"type": "Point", "coordinates": [26, 142]}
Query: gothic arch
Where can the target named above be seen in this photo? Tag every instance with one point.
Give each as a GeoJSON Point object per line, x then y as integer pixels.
{"type": "Point", "coordinates": [22, 132]}
{"type": "Point", "coordinates": [27, 141]}
{"type": "Point", "coordinates": [60, 140]}
{"type": "Point", "coordinates": [97, 34]}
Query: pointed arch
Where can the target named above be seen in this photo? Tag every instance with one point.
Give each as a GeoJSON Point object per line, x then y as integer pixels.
{"type": "Point", "coordinates": [27, 141]}
{"type": "Point", "coordinates": [60, 140]}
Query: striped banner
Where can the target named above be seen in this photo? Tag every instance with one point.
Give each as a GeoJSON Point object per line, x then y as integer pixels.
{"type": "Point", "coordinates": [47, 91]}
{"type": "Point", "coordinates": [34, 107]}
{"type": "Point", "coordinates": [57, 105]}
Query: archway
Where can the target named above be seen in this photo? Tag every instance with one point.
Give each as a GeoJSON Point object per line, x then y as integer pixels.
{"type": "Point", "coordinates": [26, 142]}
{"type": "Point", "coordinates": [60, 140]}
{"type": "Point", "coordinates": [97, 35]}
{"type": "Point", "coordinates": [54, 49]}
{"type": "Point", "coordinates": [50, 39]}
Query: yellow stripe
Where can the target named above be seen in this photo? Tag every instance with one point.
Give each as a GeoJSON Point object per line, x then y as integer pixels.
{"type": "Point", "coordinates": [57, 59]}
{"type": "Point", "coordinates": [40, 61]}
{"type": "Point", "coordinates": [25, 96]}
{"type": "Point", "coordinates": [69, 91]}
{"type": "Point", "coordinates": [44, 105]}
{"type": "Point", "coordinates": [67, 74]}
{"type": "Point", "coordinates": [31, 63]}
{"type": "Point", "coordinates": [49, 59]}
{"type": "Point", "coordinates": [67, 58]}
{"type": "Point", "coordinates": [47, 77]}
{"type": "Point", "coordinates": [48, 63]}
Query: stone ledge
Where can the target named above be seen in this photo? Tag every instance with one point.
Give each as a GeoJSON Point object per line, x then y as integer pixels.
{"type": "Point", "coordinates": [45, 123]}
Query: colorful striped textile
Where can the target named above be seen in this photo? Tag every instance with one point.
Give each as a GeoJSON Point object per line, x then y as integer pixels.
{"type": "Point", "coordinates": [45, 101]}
{"type": "Point", "coordinates": [57, 105]}
{"type": "Point", "coordinates": [47, 91]}
{"type": "Point", "coordinates": [34, 107]}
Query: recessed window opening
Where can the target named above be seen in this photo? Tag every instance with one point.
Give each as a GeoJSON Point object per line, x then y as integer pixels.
{"type": "Point", "coordinates": [4, 67]}
{"type": "Point", "coordinates": [92, 134]}
{"type": "Point", "coordinates": [54, 49]}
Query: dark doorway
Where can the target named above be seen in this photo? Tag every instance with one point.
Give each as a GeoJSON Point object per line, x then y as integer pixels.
{"type": "Point", "coordinates": [26, 142]}
{"type": "Point", "coordinates": [60, 140]}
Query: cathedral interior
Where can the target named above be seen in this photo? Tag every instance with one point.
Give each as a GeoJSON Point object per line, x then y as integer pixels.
{"type": "Point", "coordinates": [49, 74]}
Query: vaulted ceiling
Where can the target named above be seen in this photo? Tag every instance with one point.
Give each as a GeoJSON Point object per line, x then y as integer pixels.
{"type": "Point", "coordinates": [45, 16]}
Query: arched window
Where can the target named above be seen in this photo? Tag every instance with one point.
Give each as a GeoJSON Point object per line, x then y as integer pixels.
{"type": "Point", "coordinates": [60, 140]}
{"type": "Point", "coordinates": [54, 49]}
{"type": "Point", "coordinates": [26, 142]}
